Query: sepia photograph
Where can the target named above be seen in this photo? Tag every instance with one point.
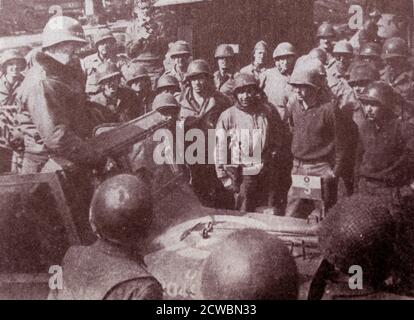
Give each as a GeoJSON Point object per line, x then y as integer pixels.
{"type": "Point", "coordinates": [207, 150]}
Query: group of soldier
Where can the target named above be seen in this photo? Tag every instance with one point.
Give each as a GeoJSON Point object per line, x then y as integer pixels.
{"type": "Point", "coordinates": [331, 113]}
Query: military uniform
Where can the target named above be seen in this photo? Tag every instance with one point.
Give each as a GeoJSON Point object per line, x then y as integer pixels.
{"type": "Point", "coordinates": [180, 76]}
{"type": "Point", "coordinates": [224, 83]}
{"type": "Point", "coordinates": [105, 271]}
{"type": "Point", "coordinates": [253, 70]}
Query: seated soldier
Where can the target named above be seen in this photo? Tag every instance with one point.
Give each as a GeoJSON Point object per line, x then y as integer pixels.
{"type": "Point", "coordinates": [113, 267]}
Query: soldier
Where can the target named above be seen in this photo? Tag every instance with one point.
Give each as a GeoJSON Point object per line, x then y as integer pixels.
{"type": "Point", "coordinates": [224, 76]}
{"type": "Point", "coordinates": [51, 100]}
{"type": "Point", "coordinates": [326, 36]}
{"type": "Point", "coordinates": [201, 105]}
{"type": "Point", "coordinates": [247, 174]}
{"type": "Point", "coordinates": [399, 75]}
{"type": "Point", "coordinates": [387, 146]}
{"type": "Point", "coordinates": [257, 67]}
{"type": "Point", "coordinates": [371, 53]}
{"type": "Point", "coordinates": [138, 80]}
{"type": "Point", "coordinates": [12, 64]}
{"type": "Point", "coordinates": [168, 83]}
{"type": "Point", "coordinates": [319, 54]}
{"type": "Point", "coordinates": [113, 267]}
{"type": "Point", "coordinates": [180, 54]}
{"type": "Point", "coordinates": [113, 103]}
{"type": "Point", "coordinates": [337, 70]}
{"type": "Point", "coordinates": [152, 62]}
{"type": "Point", "coordinates": [105, 44]}
{"type": "Point", "coordinates": [319, 137]}
{"type": "Point", "coordinates": [275, 81]}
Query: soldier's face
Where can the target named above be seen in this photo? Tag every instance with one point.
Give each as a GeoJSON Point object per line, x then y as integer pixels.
{"type": "Point", "coordinates": [395, 63]}
{"type": "Point", "coordinates": [246, 96]}
{"type": "Point", "coordinates": [259, 56]}
{"type": "Point", "coordinates": [225, 64]}
{"type": "Point", "coordinates": [326, 43]}
{"type": "Point", "coordinates": [139, 86]}
{"type": "Point", "coordinates": [285, 64]}
{"type": "Point", "coordinates": [199, 83]}
{"type": "Point", "coordinates": [181, 61]}
{"type": "Point", "coordinates": [106, 47]}
{"type": "Point", "coordinates": [14, 68]}
{"type": "Point", "coordinates": [359, 86]}
{"type": "Point", "coordinates": [68, 51]}
{"type": "Point", "coordinates": [111, 86]}
{"type": "Point", "coordinates": [306, 93]}
{"type": "Point", "coordinates": [343, 62]}
{"type": "Point", "coordinates": [372, 110]}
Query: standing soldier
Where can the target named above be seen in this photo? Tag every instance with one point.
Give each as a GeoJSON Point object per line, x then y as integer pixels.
{"type": "Point", "coordinates": [275, 81]}
{"type": "Point", "coordinates": [113, 103]}
{"type": "Point", "coordinates": [337, 71]}
{"type": "Point", "coordinates": [224, 76]}
{"type": "Point", "coordinates": [247, 174]}
{"type": "Point", "coordinates": [138, 80]}
{"type": "Point", "coordinates": [326, 35]}
{"type": "Point", "coordinates": [12, 65]}
{"type": "Point", "coordinates": [399, 75]}
{"type": "Point", "coordinates": [257, 67]}
{"type": "Point", "coordinates": [201, 105]}
{"type": "Point", "coordinates": [51, 100]}
{"type": "Point", "coordinates": [113, 267]}
{"type": "Point", "coordinates": [105, 44]}
{"type": "Point", "coordinates": [319, 138]}
{"type": "Point", "coordinates": [387, 146]}
{"type": "Point", "coordinates": [180, 54]}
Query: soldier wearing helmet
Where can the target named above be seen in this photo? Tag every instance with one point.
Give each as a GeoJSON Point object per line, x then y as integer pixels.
{"type": "Point", "coordinates": [152, 62]}
{"type": "Point", "coordinates": [168, 83]}
{"type": "Point", "coordinates": [387, 145]}
{"type": "Point", "coordinates": [319, 137]}
{"type": "Point", "coordinates": [245, 175]}
{"type": "Point", "coordinates": [105, 45]}
{"type": "Point", "coordinates": [371, 53]}
{"type": "Point", "coordinates": [224, 76]}
{"type": "Point", "coordinates": [113, 103]}
{"type": "Point", "coordinates": [399, 75]}
{"type": "Point", "coordinates": [137, 78]}
{"type": "Point", "coordinates": [275, 82]}
{"type": "Point", "coordinates": [257, 67]}
{"type": "Point", "coordinates": [201, 105]}
{"type": "Point", "coordinates": [326, 35]}
{"type": "Point", "coordinates": [113, 267]}
{"type": "Point", "coordinates": [52, 100]}
{"type": "Point", "coordinates": [180, 54]}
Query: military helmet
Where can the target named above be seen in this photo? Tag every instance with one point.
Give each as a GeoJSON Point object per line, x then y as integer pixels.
{"type": "Point", "coordinates": [62, 29]}
{"type": "Point", "coordinates": [102, 35]}
{"type": "Point", "coordinates": [284, 49]}
{"type": "Point", "coordinates": [250, 265]}
{"type": "Point", "coordinates": [244, 80]}
{"type": "Point", "coordinates": [196, 68]}
{"type": "Point", "coordinates": [325, 30]}
{"type": "Point", "coordinates": [168, 81]}
{"type": "Point", "coordinates": [306, 73]}
{"type": "Point", "coordinates": [166, 104]}
{"type": "Point", "coordinates": [343, 47]}
{"type": "Point", "coordinates": [261, 45]}
{"type": "Point", "coordinates": [320, 54]}
{"type": "Point", "coordinates": [179, 48]}
{"type": "Point", "coordinates": [378, 92]}
{"type": "Point", "coordinates": [147, 56]}
{"type": "Point", "coordinates": [224, 51]}
{"type": "Point", "coordinates": [10, 55]}
{"type": "Point", "coordinates": [394, 47]}
{"type": "Point", "coordinates": [134, 71]}
{"type": "Point", "coordinates": [121, 209]}
{"type": "Point", "coordinates": [359, 230]}
{"type": "Point", "coordinates": [363, 72]}
{"type": "Point", "coordinates": [370, 49]}
{"type": "Point", "coordinates": [107, 70]}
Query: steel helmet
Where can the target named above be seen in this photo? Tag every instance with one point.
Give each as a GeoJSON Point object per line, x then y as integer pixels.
{"type": "Point", "coordinates": [121, 209]}
{"type": "Point", "coordinates": [107, 70]}
{"type": "Point", "coordinates": [102, 35]}
{"type": "Point", "coordinates": [168, 81]}
{"type": "Point", "coordinates": [363, 72]}
{"type": "Point", "coordinates": [224, 51]}
{"type": "Point", "coordinates": [378, 92]}
{"type": "Point", "coordinates": [343, 47]}
{"type": "Point", "coordinates": [62, 29]}
{"type": "Point", "coordinates": [12, 54]}
{"type": "Point", "coordinates": [165, 103]}
{"type": "Point", "coordinates": [359, 230]}
{"type": "Point", "coordinates": [370, 49]}
{"type": "Point", "coordinates": [319, 54]}
{"type": "Point", "coordinates": [179, 47]}
{"type": "Point", "coordinates": [326, 30]}
{"type": "Point", "coordinates": [147, 56]}
{"type": "Point", "coordinates": [261, 45]}
{"type": "Point", "coordinates": [284, 49]}
{"type": "Point", "coordinates": [244, 80]}
{"type": "Point", "coordinates": [394, 47]}
{"type": "Point", "coordinates": [306, 73]}
{"type": "Point", "coordinates": [250, 265]}
{"type": "Point", "coordinates": [134, 71]}
{"type": "Point", "coordinates": [196, 68]}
